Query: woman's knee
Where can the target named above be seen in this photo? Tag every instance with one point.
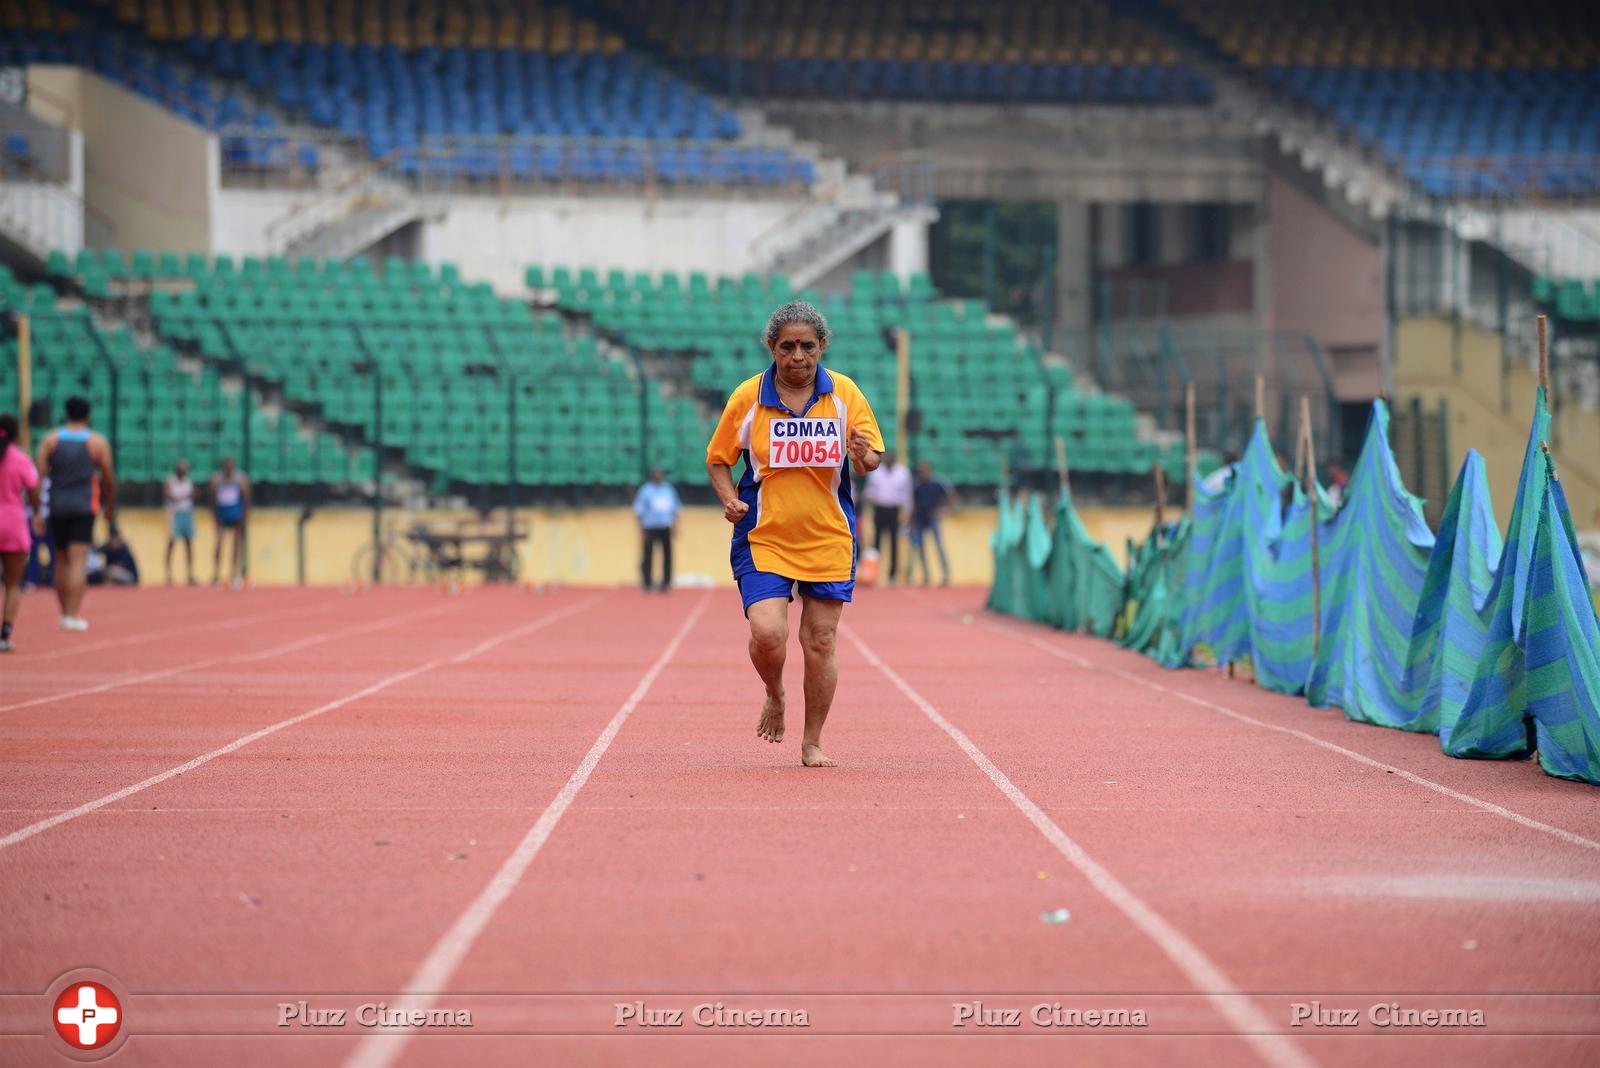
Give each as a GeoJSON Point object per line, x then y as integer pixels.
{"type": "Point", "coordinates": [819, 641]}
{"type": "Point", "coordinates": [769, 635]}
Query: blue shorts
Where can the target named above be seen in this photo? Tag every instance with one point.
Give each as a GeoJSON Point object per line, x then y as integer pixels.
{"type": "Point", "coordinates": [183, 524]}
{"type": "Point", "coordinates": [763, 585]}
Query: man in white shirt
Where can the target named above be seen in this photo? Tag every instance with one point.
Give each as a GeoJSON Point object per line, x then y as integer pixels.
{"type": "Point", "coordinates": [889, 493]}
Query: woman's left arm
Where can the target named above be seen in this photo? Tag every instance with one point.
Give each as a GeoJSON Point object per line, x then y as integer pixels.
{"type": "Point", "coordinates": [861, 451]}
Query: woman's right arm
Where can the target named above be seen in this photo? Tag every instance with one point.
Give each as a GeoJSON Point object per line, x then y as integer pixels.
{"type": "Point", "coordinates": [733, 509]}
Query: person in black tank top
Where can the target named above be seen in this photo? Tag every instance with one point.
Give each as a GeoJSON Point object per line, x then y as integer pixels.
{"type": "Point", "coordinates": [82, 480]}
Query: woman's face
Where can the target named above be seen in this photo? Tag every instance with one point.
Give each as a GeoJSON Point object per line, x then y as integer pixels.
{"type": "Point", "coordinates": [796, 352]}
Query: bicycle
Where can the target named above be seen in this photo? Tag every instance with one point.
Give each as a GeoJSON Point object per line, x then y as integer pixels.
{"type": "Point", "coordinates": [404, 555]}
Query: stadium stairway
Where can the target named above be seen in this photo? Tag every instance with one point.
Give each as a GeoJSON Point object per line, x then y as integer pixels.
{"type": "Point", "coordinates": [1361, 181]}
{"type": "Point", "coordinates": [39, 208]}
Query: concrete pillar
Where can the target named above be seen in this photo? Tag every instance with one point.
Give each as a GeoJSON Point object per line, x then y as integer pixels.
{"type": "Point", "coordinates": [908, 248]}
{"type": "Point", "coordinates": [1113, 242]}
{"type": "Point", "coordinates": [1074, 260]}
{"type": "Point", "coordinates": [1256, 228]}
{"type": "Point", "coordinates": [1173, 229]}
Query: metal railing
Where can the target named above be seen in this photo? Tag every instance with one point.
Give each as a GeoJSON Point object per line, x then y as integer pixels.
{"type": "Point", "coordinates": [45, 214]}
{"type": "Point", "coordinates": [1152, 363]}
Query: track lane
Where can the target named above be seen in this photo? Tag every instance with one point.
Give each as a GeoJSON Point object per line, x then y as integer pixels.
{"type": "Point", "coordinates": [61, 752]}
{"type": "Point", "coordinates": [143, 615]}
{"type": "Point", "coordinates": [356, 834]}
{"type": "Point", "coordinates": [700, 861]}
{"type": "Point", "coordinates": [1294, 867]}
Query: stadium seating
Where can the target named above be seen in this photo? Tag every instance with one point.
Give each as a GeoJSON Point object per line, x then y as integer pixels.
{"type": "Point", "coordinates": [1467, 102]}
{"type": "Point", "coordinates": [967, 372]}
{"type": "Point", "coordinates": [1572, 299]}
{"type": "Point", "coordinates": [446, 91]}
{"type": "Point", "coordinates": [157, 410]}
{"type": "Point", "coordinates": [996, 50]}
{"type": "Point", "coordinates": [445, 352]}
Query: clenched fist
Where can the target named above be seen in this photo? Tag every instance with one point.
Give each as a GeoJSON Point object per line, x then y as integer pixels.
{"type": "Point", "coordinates": [735, 510]}
{"type": "Point", "coordinates": [859, 446]}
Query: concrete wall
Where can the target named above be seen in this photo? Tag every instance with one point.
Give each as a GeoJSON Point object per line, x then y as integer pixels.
{"type": "Point", "coordinates": [148, 174]}
{"type": "Point", "coordinates": [495, 238]}
{"type": "Point", "coordinates": [591, 547]}
{"type": "Point", "coordinates": [1326, 281]}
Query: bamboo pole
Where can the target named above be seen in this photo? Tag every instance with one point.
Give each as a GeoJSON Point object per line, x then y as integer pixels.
{"type": "Point", "coordinates": [1188, 445]}
{"type": "Point", "coordinates": [1544, 357]}
{"type": "Point", "coordinates": [1309, 443]}
{"type": "Point", "coordinates": [24, 381]}
{"type": "Point", "coordinates": [1161, 495]}
{"type": "Point", "coordinates": [1261, 395]}
{"type": "Point", "coordinates": [1300, 447]}
{"type": "Point", "coordinates": [1061, 461]}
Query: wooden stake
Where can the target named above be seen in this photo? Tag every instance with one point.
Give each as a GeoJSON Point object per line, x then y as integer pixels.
{"type": "Point", "coordinates": [24, 381]}
{"type": "Point", "coordinates": [1544, 357]}
{"type": "Point", "coordinates": [1188, 445]}
{"type": "Point", "coordinates": [1061, 461]}
{"type": "Point", "coordinates": [1161, 495]}
{"type": "Point", "coordinates": [1310, 483]}
{"type": "Point", "coordinates": [1261, 395]}
{"type": "Point", "coordinates": [1300, 448]}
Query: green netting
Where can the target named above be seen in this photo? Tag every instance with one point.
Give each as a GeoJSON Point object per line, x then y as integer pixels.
{"type": "Point", "coordinates": [1497, 651]}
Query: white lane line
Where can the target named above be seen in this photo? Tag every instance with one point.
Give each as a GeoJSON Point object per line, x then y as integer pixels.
{"type": "Point", "coordinates": [1250, 1022]}
{"type": "Point", "coordinates": [383, 1046]}
{"type": "Point", "coordinates": [1332, 747]}
{"type": "Point", "coordinates": [234, 658]}
{"type": "Point", "coordinates": [24, 833]}
{"type": "Point", "coordinates": [152, 635]}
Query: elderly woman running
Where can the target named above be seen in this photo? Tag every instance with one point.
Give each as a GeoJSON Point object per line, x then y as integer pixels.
{"type": "Point", "coordinates": [795, 426]}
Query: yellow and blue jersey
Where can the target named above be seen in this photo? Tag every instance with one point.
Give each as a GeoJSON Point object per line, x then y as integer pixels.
{"type": "Point", "coordinates": [802, 520]}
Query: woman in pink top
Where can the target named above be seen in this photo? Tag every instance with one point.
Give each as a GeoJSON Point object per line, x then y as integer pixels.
{"type": "Point", "coordinates": [18, 476]}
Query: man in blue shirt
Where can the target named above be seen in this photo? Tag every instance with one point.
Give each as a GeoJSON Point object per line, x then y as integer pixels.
{"type": "Point", "coordinates": [928, 501]}
{"type": "Point", "coordinates": [657, 506]}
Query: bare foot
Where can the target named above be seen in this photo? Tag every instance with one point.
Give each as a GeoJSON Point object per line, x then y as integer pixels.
{"type": "Point", "coordinates": [812, 756]}
{"type": "Point", "coordinates": [771, 725]}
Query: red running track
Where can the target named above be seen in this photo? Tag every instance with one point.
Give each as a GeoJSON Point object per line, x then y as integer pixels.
{"type": "Point", "coordinates": [541, 808]}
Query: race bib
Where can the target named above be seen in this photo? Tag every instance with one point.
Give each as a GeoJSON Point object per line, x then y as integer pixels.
{"type": "Point", "coordinates": [806, 443]}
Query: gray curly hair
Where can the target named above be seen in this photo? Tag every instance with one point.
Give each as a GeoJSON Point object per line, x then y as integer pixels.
{"type": "Point", "coordinates": [796, 311]}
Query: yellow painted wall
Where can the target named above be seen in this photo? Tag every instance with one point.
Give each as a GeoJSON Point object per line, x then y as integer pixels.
{"type": "Point", "coordinates": [1423, 368]}
{"type": "Point", "coordinates": [598, 546]}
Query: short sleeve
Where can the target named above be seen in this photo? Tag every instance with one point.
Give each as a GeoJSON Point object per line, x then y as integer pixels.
{"type": "Point", "coordinates": [725, 447]}
{"type": "Point", "coordinates": [862, 419]}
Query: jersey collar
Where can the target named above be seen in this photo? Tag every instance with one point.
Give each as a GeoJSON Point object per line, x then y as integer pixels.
{"type": "Point", "coordinates": [769, 388]}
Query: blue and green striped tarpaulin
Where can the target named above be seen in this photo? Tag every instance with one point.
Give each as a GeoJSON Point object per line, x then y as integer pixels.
{"type": "Point", "coordinates": [1494, 647]}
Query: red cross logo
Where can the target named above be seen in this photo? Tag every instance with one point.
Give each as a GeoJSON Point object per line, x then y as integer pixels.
{"type": "Point", "coordinates": [87, 1015]}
